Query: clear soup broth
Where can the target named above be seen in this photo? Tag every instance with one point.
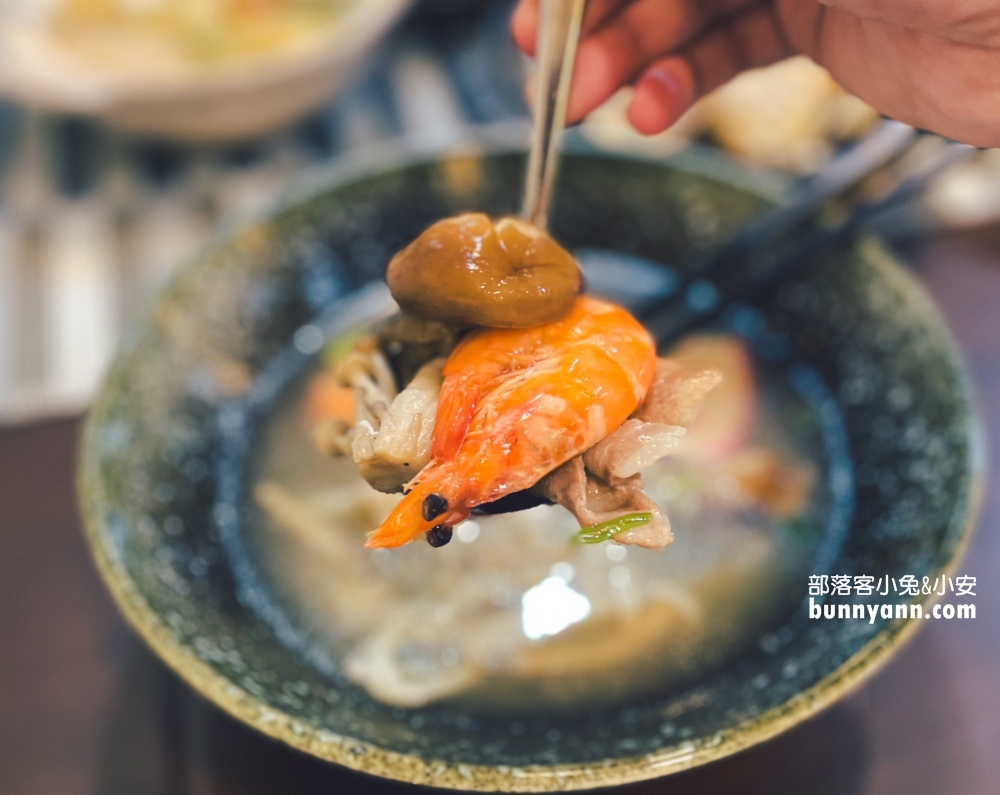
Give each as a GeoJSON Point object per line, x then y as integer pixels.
{"type": "Point", "coordinates": [514, 616]}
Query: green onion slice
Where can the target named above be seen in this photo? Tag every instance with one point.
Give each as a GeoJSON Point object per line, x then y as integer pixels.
{"type": "Point", "coordinates": [605, 531]}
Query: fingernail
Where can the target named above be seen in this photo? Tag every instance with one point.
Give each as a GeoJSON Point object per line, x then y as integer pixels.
{"type": "Point", "coordinates": [670, 84]}
{"type": "Point", "coordinates": [662, 95]}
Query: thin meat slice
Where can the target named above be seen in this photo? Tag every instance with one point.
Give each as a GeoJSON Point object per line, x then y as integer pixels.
{"type": "Point", "coordinates": [631, 448]}
{"type": "Point", "coordinates": [676, 393]}
{"type": "Point", "coordinates": [605, 482]}
{"type": "Point", "coordinates": [593, 500]}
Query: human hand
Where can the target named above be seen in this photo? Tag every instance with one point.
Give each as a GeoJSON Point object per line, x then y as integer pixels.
{"type": "Point", "coordinates": [934, 64]}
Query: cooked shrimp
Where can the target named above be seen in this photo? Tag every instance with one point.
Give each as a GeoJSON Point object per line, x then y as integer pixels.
{"type": "Point", "coordinates": [517, 403]}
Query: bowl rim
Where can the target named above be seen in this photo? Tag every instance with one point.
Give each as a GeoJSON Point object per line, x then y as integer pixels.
{"type": "Point", "coordinates": [369, 758]}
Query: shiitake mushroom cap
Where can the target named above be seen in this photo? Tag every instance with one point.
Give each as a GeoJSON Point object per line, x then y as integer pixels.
{"type": "Point", "coordinates": [469, 271]}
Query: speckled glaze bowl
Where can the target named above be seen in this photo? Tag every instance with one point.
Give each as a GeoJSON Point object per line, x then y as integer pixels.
{"type": "Point", "coordinates": [855, 330]}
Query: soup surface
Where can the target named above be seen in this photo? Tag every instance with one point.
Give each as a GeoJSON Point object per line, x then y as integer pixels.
{"type": "Point", "coordinates": [513, 615]}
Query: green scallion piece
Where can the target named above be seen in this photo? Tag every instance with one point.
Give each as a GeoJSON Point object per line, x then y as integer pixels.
{"type": "Point", "coordinates": [605, 531]}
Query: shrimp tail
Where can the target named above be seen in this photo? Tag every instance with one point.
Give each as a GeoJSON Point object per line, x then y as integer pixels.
{"type": "Point", "coordinates": [430, 503]}
{"type": "Point", "coordinates": [456, 406]}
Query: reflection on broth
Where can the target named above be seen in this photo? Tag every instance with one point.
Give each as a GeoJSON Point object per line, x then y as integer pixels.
{"type": "Point", "coordinates": [512, 615]}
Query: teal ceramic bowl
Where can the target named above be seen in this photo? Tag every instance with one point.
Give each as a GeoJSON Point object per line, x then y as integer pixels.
{"type": "Point", "coordinates": [167, 440]}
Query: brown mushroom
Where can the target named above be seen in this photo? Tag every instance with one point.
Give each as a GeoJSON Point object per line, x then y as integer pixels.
{"type": "Point", "coordinates": [468, 270]}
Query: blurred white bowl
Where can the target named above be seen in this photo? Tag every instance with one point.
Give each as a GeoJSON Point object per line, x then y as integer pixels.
{"type": "Point", "coordinates": [240, 98]}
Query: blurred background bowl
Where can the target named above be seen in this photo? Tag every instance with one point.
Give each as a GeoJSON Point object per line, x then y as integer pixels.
{"type": "Point", "coordinates": [201, 370]}
{"type": "Point", "coordinates": [240, 96]}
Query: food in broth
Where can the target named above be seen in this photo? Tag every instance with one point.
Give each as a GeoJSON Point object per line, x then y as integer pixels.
{"type": "Point", "coordinates": [522, 391]}
{"type": "Point", "coordinates": [511, 617]}
{"type": "Point", "coordinates": [502, 441]}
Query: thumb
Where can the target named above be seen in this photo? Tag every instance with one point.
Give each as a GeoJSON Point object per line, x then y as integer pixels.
{"type": "Point", "coordinates": [962, 19]}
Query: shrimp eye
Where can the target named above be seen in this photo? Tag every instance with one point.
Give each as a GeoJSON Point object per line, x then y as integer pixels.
{"type": "Point", "coordinates": [439, 535]}
{"type": "Point", "coordinates": [434, 506]}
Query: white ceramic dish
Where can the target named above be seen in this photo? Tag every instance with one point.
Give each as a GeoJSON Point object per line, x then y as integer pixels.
{"type": "Point", "coordinates": [246, 97]}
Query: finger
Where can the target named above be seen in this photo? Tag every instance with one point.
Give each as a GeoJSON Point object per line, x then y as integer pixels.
{"type": "Point", "coordinates": [971, 21]}
{"type": "Point", "coordinates": [600, 12]}
{"type": "Point", "coordinates": [745, 41]}
{"type": "Point", "coordinates": [669, 86]}
{"type": "Point", "coordinates": [918, 78]}
{"type": "Point", "coordinates": [617, 52]}
{"type": "Point", "coordinates": [524, 26]}
{"type": "Point", "coordinates": [664, 92]}
{"type": "Point", "coordinates": [614, 55]}
{"type": "Point", "coordinates": [524, 22]}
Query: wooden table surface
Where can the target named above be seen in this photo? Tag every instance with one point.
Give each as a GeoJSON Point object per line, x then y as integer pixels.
{"type": "Point", "coordinates": [85, 708]}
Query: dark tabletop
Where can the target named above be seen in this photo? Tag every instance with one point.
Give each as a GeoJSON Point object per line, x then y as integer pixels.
{"type": "Point", "coordinates": [86, 708]}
